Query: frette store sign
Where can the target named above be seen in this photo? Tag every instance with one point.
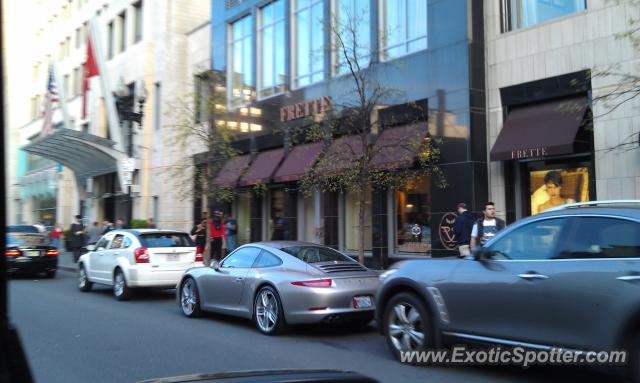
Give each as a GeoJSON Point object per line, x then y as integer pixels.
{"type": "Point", "coordinates": [305, 109]}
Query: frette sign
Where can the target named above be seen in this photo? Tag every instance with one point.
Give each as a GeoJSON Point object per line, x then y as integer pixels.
{"type": "Point", "coordinates": [305, 109]}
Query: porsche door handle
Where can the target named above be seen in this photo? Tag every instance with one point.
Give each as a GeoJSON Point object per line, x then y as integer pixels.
{"type": "Point", "coordinates": [532, 276]}
{"type": "Point", "coordinates": [239, 279]}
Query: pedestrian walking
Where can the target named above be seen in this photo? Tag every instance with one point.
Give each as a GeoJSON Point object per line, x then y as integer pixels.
{"type": "Point", "coordinates": [486, 227]}
{"type": "Point", "coordinates": [95, 232]}
{"type": "Point", "coordinates": [151, 224]}
{"type": "Point", "coordinates": [56, 235]}
{"type": "Point", "coordinates": [106, 227]}
{"type": "Point", "coordinates": [119, 223]}
{"type": "Point", "coordinates": [462, 229]}
{"type": "Point", "coordinates": [77, 237]}
{"type": "Point", "coordinates": [218, 236]}
{"type": "Point", "coordinates": [232, 233]}
{"type": "Point", "coordinates": [199, 235]}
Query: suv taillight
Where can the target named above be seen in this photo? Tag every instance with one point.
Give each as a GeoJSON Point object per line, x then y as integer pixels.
{"type": "Point", "coordinates": [51, 253]}
{"type": "Point", "coordinates": [12, 253]}
{"type": "Point", "coordinates": [142, 255]}
{"type": "Point", "coordinates": [199, 254]}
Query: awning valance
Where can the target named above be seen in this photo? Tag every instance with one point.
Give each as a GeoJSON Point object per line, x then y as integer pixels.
{"type": "Point", "coordinates": [87, 155]}
{"type": "Point", "coordinates": [262, 167]}
{"type": "Point", "coordinates": [298, 162]}
{"type": "Point", "coordinates": [540, 130]}
{"type": "Point", "coordinates": [232, 170]}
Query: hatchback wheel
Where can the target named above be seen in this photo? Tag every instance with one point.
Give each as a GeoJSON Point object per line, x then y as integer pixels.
{"type": "Point", "coordinates": [268, 314]}
{"type": "Point", "coordinates": [407, 324]}
{"type": "Point", "coordinates": [189, 298]}
{"type": "Point", "coordinates": [83, 281]}
{"type": "Point", "coordinates": [121, 290]}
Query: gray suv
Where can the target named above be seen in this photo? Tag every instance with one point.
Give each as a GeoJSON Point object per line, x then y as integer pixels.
{"type": "Point", "coordinates": [569, 277]}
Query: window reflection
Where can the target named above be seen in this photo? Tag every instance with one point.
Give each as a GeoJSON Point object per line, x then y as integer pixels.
{"type": "Point", "coordinates": [353, 16]}
{"type": "Point", "coordinates": [308, 31]}
{"type": "Point", "coordinates": [272, 41]}
{"type": "Point", "coordinates": [404, 27]}
{"type": "Point", "coordinates": [241, 75]}
{"type": "Point", "coordinates": [413, 209]}
{"type": "Point", "coordinates": [525, 13]}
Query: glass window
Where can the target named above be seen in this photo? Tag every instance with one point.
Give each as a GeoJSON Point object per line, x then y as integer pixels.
{"type": "Point", "coordinates": [594, 237]}
{"type": "Point", "coordinates": [137, 14]}
{"type": "Point", "coordinates": [354, 22]}
{"type": "Point", "coordinates": [157, 110]}
{"type": "Point", "coordinates": [352, 226]}
{"type": "Point", "coordinates": [316, 254]}
{"type": "Point", "coordinates": [110, 32]}
{"type": "Point", "coordinates": [103, 242]}
{"type": "Point", "coordinates": [309, 219]}
{"type": "Point", "coordinates": [127, 243]}
{"type": "Point", "coordinates": [243, 257]}
{"type": "Point", "coordinates": [243, 210]}
{"type": "Point", "coordinates": [266, 259]}
{"type": "Point", "coordinates": [240, 76]}
{"type": "Point", "coordinates": [78, 37]}
{"type": "Point", "coordinates": [203, 97]}
{"type": "Point", "coordinates": [122, 19]}
{"type": "Point", "coordinates": [308, 33]}
{"type": "Point", "coordinates": [117, 242]}
{"type": "Point", "coordinates": [283, 224]}
{"type": "Point", "coordinates": [534, 241]}
{"type": "Point", "coordinates": [524, 13]}
{"type": "Point", "coordinates": [404, 27]}
{"type": "Point", "coordinates": [166, 240]}
{"type": "Point", "coordinates": [413, 211]}
{"type": "Point", "coordinates": [272, 45]}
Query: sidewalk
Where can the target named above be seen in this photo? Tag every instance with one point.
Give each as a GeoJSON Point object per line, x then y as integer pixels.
{"type": "Point", "coordinates": [65, 262]}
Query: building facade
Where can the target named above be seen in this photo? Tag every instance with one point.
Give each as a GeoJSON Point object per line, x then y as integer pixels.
{"type": "Point", "coordinates": [560, 127]}
{"type": "Point", "coordinates": [77, 169]}
{"type": "Point", "coordinates": [279, 61]}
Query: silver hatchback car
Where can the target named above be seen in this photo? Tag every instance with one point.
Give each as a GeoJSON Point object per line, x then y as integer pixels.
{"type": "Point", "coordinates": [281, 283]}
{"type": "Point", "coordinates": [566, 278]}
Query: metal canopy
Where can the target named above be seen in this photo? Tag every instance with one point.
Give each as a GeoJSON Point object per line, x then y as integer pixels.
{"type": "Point", "coordinates": [87, 155]}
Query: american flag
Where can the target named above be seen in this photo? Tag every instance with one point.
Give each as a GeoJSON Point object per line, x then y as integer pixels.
{"type": "Point", "coordinates": [50, 98]}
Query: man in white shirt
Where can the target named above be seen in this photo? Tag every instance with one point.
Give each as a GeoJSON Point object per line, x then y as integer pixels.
{"type": "Point", "coordinates": [486, 227]}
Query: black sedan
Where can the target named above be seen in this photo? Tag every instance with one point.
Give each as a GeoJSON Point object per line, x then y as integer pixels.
{"type": "Point", "coordinates": [29, 252]}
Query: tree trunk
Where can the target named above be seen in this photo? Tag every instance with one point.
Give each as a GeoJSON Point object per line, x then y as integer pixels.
{"type": "Point", "coordinates": [361, 222]}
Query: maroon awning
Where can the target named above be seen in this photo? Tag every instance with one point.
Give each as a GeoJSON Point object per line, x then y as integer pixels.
{"type": "Point", "coordinates": [341, 155]}
{"type": "Point", "coordinates": [232, 170]}
{"type": "Point", "coordinates": [398, 147]}
{"type": "Point", "coordinates": [298, 162]}
{"type": "Point", "coordinates": [540, 130]}
{"type": "Point", "coordinates": [262, 167]}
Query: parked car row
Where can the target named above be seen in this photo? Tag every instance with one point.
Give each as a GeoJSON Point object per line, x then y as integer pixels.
{"type": "Point", "coordinates": [566, 278]}
{"type": "Point", "coordinates": [27, 251]}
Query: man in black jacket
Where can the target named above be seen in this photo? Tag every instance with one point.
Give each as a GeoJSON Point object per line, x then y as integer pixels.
{"type": "Point", "coordinates": [77, 237]}
{"type": "Point", "coordinates": [462, 229]}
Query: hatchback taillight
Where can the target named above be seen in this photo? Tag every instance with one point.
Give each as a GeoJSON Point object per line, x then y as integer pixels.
{"type": "Point", "coordinates": [314, 283]}
{"type": "Point", "coordinates": [142, 255]}
{"type": "Point", "coordinates": [199, 254]}
{"type": "Point", "coordinates": [51, 253]}
{"type": "Point", "coordinates": [12, 253]}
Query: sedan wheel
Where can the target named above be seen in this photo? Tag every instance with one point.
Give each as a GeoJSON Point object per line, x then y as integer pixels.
{"type": "Point", "coordinates": [407, 325]}
{"type": "Point", "coordinates": [267, 313]}
{"type": "Point", "coordinates": [83, 282]}
{"type": "Point", "coordinates": [121, 290]}
{"type": "Point", "coordinates": [189, 299]}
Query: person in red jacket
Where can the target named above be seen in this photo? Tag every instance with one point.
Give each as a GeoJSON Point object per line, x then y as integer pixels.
{"type": "Point", "coordinates": [217, 235]}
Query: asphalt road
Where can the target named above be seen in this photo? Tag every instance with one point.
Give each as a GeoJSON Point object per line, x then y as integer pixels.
{"type": "Point", "coordinates": [70, 336]}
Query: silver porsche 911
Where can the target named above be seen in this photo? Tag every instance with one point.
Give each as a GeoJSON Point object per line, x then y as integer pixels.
{"type": "Point", "coordinates": [281, 283]}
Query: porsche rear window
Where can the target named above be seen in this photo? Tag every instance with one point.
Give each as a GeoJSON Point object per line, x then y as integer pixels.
{"type": "Point", "coordinates": [316, 254]}
{"type": "Point", "coordinates": [166, 240]}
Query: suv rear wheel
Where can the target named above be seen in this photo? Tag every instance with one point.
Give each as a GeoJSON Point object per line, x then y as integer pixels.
{"type": "Point", "coordinates": [121, 290]}
{"type": "Point", "coordinates": [407, 324]}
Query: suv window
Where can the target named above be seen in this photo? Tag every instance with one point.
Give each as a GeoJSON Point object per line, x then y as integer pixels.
{"type": "Point", "coordinates": [534, 241]}
{"type": "Point", "coordinates": [600, 237]}
{"type": "Point", "coordinates": [103, 242]}
{"type": "Point", "coordinates": [266, 259]}
{"type": "Point", "coordinates": [243, 257]}
{"type": "Point", "coordinates": [166, 240]}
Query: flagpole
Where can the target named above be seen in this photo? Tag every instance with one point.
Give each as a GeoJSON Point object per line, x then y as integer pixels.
{"type": "Point", "coordinates": [62, 99]}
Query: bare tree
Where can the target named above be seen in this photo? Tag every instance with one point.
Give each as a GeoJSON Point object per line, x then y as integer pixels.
{"type": "Point", "coordinates": [362, 154]}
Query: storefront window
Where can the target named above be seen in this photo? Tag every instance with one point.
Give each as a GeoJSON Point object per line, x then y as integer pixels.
{"type": "Point", "coordinates": [352, 226]}
{"type": "Point", "coordinates": [243, 210]}
{"type": "Point", "coordinates": [309, 225]}
{"type": "Point", "coordinates": [282, 222]}
{"type": "Point", "coordinates": [413, 211]}
{"type": "Point", "coordinates": [352, 16]}
{"type": "Point", "coordinates": [524, 13]}
{"type": "Point", "coordinates": [555, 187]}
{"type": "Point", "coordinates": [403, 27]}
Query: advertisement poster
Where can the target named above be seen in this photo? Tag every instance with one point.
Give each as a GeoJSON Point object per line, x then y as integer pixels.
{"type": "Point", "coordinates": [555, 187]}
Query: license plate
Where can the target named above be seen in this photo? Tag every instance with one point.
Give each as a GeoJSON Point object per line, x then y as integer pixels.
{"type": "Point", "coordinates": [33, 253]}
{"type": "Point", "coordinates": [362, 302]}
{"type": "Point", "coordinates": [173, 257]}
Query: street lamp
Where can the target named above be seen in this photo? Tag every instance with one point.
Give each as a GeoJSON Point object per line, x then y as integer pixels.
{"type": "Point", "coordinates": [125, 103]}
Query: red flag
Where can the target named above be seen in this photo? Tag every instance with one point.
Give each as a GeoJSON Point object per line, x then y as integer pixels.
{"type": "Point", "coordinates": [90, 70]}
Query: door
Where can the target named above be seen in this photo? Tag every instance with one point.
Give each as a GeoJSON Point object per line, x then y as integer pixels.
{"type": "Point", "coordinates": [222, 288]}
{"type": "Point", "coordinates": [112, 254]}
{"type": "Point", "coordinates": [169, 251]}
{"type": "Point", "coordinates": [596, 278]}
{"type": "Point", "coordinates": [505, 295]}
{"type": "Point", "coordinates": [98, 261]}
